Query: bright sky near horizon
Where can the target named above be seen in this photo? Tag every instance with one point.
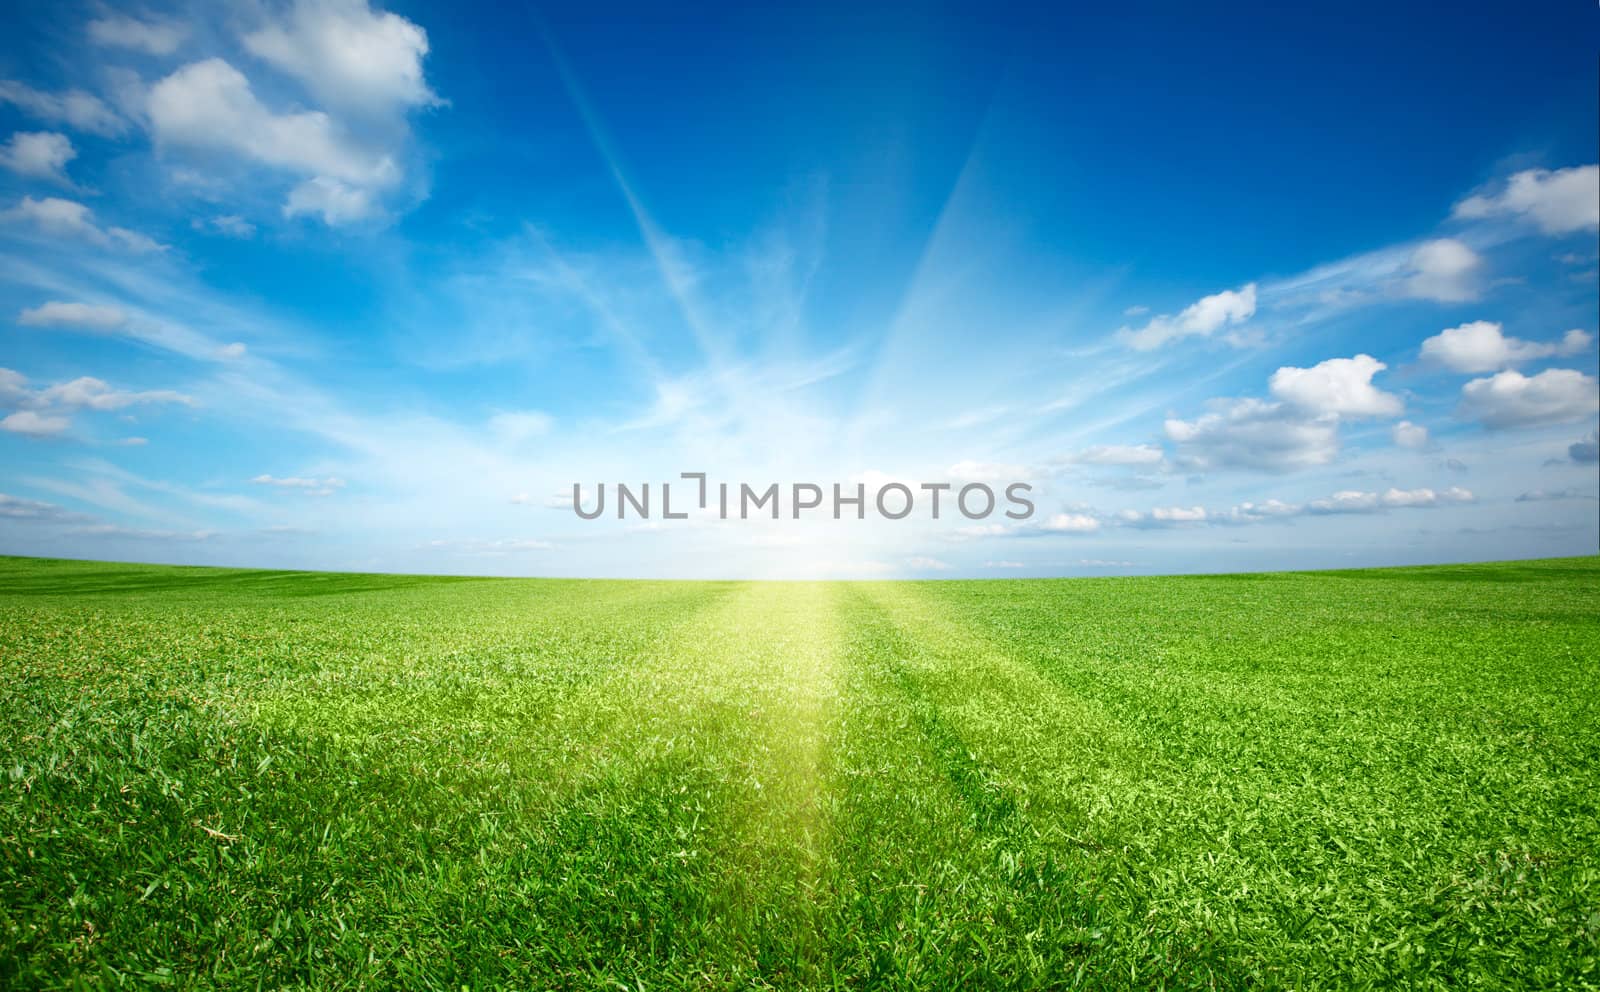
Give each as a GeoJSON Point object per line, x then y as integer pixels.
{"type": "Point", "coordinates": [328, 284]}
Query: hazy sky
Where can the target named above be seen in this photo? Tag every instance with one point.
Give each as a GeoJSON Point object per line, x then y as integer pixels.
{"type": "Point", "coordinates": [326, 284]}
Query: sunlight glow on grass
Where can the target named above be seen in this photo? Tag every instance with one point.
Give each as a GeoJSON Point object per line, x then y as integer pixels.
{"type": "Point", "coordinates": [1322, 780]}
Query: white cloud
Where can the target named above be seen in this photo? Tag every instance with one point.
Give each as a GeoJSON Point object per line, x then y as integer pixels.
{"type": "Point", "coordinates": [152, 37]}
{"type": "Point", "coordinates": [1353, 501]}
{"type": "Point", "coordinates": [1511, 399]}
{"type": "Point", "coordinates": [34, 424]}
{"type": "Point", "coordinates": [1558, 202]}
{"type": "Point", "coordinates": [923, 564]}
{"type": "Point", "coordinates": [209, 105]}
{"type": "Point", "coordinates": [1409, 435]}
{"type": "Point", "coordinates": [313, 486]}
{"type": "Point", "coordinates": [1271, 509]}
{"type": "Point", "coordinates": [68, 218]}
{"type": "Point", "coordinates": [1444, 270]}
{"type": "Point", "coordinates": [231, 225]}
{"type": "Point", "coordinates": [1003, 564]}
{"type": "Point", "coordinates": [1423, 497]}
{"type": "Point", "coordinates": [1119, 454]}
{"type": "Point", "coordinates": [1341, 386]}
{"type": "Point", "coordinates": [336, 202]}
{"type": "Point", "coordinates": [350, 56]}
{"type": "Point", "coordinates": [48, 411]}
{"type": "Point", "coordinates": [14, 389]}
{"type": "Point", "coordinates": [974, 471]}
{"type": "Point", "coordinates": [85, 315]}
{"type": "Point", "coordinates": [54, 215]}
{"type": "Point", "coordinates": [39, 155]}
{"type": "Point", "coordinates": [89, 393]}
{"type": "Point", "coordinates": [40, 412]}
{"type": "Point", "coordinates": [1255, 434]}
{"type": "Point", "coordinates": [81, 110]}
{"type": "Point", "coordinates": [1200, 319]}
{"type": "Point", "coordinates": [1070, 523]}
{"type": "Point", "coordinates": [233, 351]}
{"type": "Point", "coordinates": [1163, 516]}
{"type": "Point", "coordinates": [1346, 501]}
{"type": "Point", "coordinates": [1479, 346]}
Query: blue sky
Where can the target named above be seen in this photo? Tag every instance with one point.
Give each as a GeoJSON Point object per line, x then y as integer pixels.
{"type": "Point", "coordinates": [334, 285]}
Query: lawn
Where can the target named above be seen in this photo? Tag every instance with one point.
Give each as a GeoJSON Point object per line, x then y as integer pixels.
{"type": "Point", "coordinates": [246, 779]}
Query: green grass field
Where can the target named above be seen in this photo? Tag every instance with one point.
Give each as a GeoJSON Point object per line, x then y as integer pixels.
{"type": "Point", "coordinates": [1369, 779]}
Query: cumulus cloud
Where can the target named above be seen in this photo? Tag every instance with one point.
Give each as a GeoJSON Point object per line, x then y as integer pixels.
{"type": "Point", "coordinates": [68, 218]}
{"type": "Point", "coordinates": [1255, 434]}
{"type": "Point", "coordinates": [85, 315]}
{"type": "Point", "coordinates": [14, 388]}
{"type": "Point", "coordinates": [89, 393]}
{"type": "Point", "coordinates": [334, 201]}
{"type": "Point", "coordinates": [1164, 516]}
{"type": "Point", "coordinates": [350, 56]}
{"type": "Point", "coordinates": [1409, 435]}
{"type": "Point", "coordinates": [1444, 270]}
{"type": "Point", "coordinates": [363, 69]}
{"type": "Point", "coordinates": [1200, 319]}
{"type": "Point", "coordinates": [1557, 202]}
{"type": "Point", "coordinates": [1510, 399]}
{"type": "Point", "coordinates": [34, 424]}
{"type": "Point", "coordinates": [39, 155]}
{"type": "Point", "coordinates": [210, 105]}
{"type": "Point", "coordinates": [83, 111]}
{"type": "Point", "coordinates": [1069, 523]}
{"type": "Point", "coordinates": [46, 412]}
{"type": "Point", "coordinates": [1341, 386]}
{"type": "Point", "coordinates": [151, 37]}
{"type": "Point", "coordinates": [1480, 346]}
{"type": "Point", "coordinates": [1271, 509]}
{"type": "Point", "coordinates": [1355, 501]}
